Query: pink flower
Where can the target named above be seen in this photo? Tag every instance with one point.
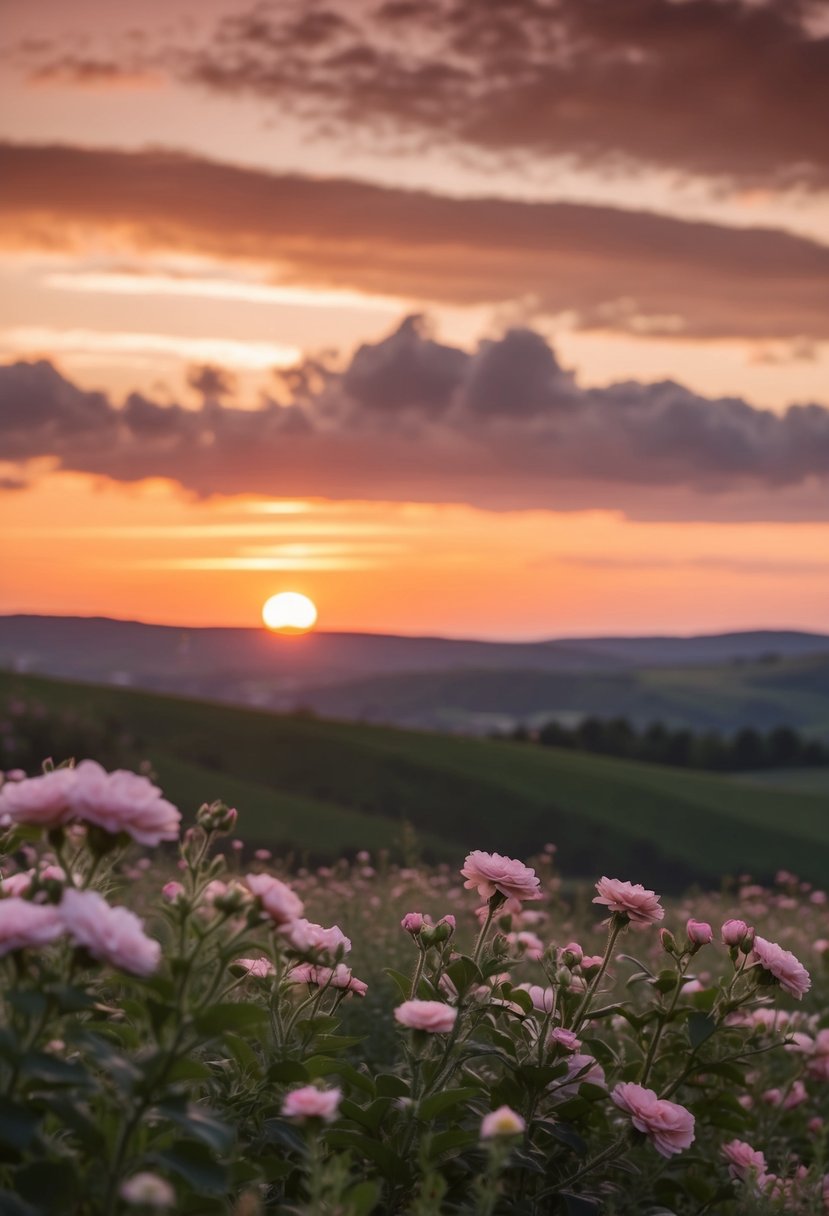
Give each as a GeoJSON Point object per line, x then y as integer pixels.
{"type": "Point", "coordinates": [581, 1069]}
{"type": "Point", "coordinates": [629, 899]}
{"type": "Point", "coordinates": [111, 935]}
{"type": "Point", "coordinates": [312, 1103]}
{"type": "Point", "coordinates": [574, 949]}
{"type": "Point", "coordinates": [172, 892]}
{"type": "Point", "coordinates": [818, 1063]}
{"type": "Point", "coordinates": [490, 873]}
{"type": "Point", "coordinates": [122, 801]}
{"type": "Point", "coordinates": [699, 932]}
{"type": "Point", "coordinates": [259, 968]}
{"type": "Point", "coordinates": [565, 1039]}
{"type": "Point", "coordinates": [782, 964]}
{"type": "Point", "coordinates": [148, 1190]}
{"type": "Point", "coordinates": [733, 932]}
{"type": "Point", "coordinates": [24, 924]}
{"type": "Point", "coordinates": [328, 977]}
{"type": "Point", "coordinates": [44, 801]}
{"type": "Point", "coordinates": [542, 998]}
{"type": "Point", "coordinates": [433, 1016]}
{"type": "Point", "coordinates": [413, 922]}
{"type": "Point", "coordinates": [527, 944]}
{"type": "Point", "coordinates": [17, 884]}
{"type": "Point", "coordinates": [278, 900]}
{"type": "Point", "coordinates": [743, 1160]}
{"type": "Point", "coordinates": [591, 962]}
{"type": "Point", "coordinates": [501, 1122]}
{"type": "Point", "coordinates": [305, 936]}
{"type": "Point", "coordinates": [668, 1125]}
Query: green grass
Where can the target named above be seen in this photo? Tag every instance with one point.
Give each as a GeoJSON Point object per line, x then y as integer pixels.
{"type": "Point", "coordinates": [327, 787]}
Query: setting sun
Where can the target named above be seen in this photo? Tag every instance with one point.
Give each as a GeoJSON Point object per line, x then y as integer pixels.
{"type": "Point", "coordinates": [289, 612]}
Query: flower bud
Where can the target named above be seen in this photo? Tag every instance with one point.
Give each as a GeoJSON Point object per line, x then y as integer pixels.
{"type": "Point", "coordinates": [747, 944]}
{"type": "Point", "coordinates": [216, 817]}
{"type": "Point", "coordinates": [668, 941]}
{"type": "Point", "coordinates": [699, 933]}
{"type": "Point", "coordinates": [414, 922]}
{"type": "Point", "coordinates": [502, 1122]}
{"type": "Point", "coordinates": [572, 954]}
{"type": "Point", "coordinates": [564, 977]}
{"type": "Point", "coordinates": [235, 898]}
{"type": "Point", "coordinates": [173, 892]}
{"type": "Point", "coordinates": [733, 932]}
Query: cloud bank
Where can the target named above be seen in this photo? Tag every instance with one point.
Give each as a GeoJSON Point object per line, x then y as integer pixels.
{"type": "Point", "coordinates": [411, 418]}
{"type": "Point", "coordinates": [734, 90]}
{"type": "Point", "coordinates": [603, 268]}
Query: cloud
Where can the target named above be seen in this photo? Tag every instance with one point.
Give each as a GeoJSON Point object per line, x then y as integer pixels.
{"type": "Point", "coordinates": [603, 268]}
{"type": "Point", "coordinates": [734, 90]}
{"type": "Point", "coordinates": [410, 418]}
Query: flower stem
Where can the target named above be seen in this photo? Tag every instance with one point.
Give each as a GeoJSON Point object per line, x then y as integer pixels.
{"type": "Point", "coordinates": [616, 926]}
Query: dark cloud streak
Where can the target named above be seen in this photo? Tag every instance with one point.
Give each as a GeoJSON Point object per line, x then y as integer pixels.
{"type": "Point", "coordinates": [411, 418]}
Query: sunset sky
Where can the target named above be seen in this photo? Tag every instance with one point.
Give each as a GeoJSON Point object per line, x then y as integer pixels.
{"type": "Point", "coordinates": [504, 320]}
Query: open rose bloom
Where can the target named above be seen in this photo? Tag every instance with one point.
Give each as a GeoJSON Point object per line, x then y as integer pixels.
{"type": "Point", "coordinates": [641, 907]}
{"type": "Point", "coordinates": [489, 873]}
{"type": "Point", "coordinates": [669, 1126]}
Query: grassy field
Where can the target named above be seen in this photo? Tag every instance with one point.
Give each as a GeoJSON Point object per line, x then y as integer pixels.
{"type": "Point", "coordinates": [327, 787]}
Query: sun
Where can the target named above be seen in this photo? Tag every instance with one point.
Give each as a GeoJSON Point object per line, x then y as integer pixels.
{"type": "Point", "coordinates": [289, 612]}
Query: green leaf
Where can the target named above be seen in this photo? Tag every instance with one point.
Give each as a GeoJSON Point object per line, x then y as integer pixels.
{"type": "Point", "coordinates": [363, 1198]}
{"type": "Point", "coordinates": [77, 1117]}
{"type": "Point", "coordinates": [390, 1086]}
{"type": "Point", "coordinates": [200, 1124]}
{"type": "Point", "coordinates": [242, 1053]}
{"type": "Point", "coordinates": [401, 981]}
{"type": "Point", "coordinates": [577, 1205]}
{"type": "Point", "coordinates": [364, 1146]}
{"type": "Point", "coordinates": [196, 1164]}
{"type": "Point", "coordinates": [437, 1103]}
{"type": "Point", "coordinates": [287, 1072]}
{"type": "Point", "coordinates": [51, 1070]}
{"type": "Point", "coordinates": [323, 1066]}
{"type": "Point", "coordinates": [700, 1028]}
{"type": "Point", "coordinates": [52, 1186]}
{"type": "Point", "coordinates": [230, 1015]}
{"type": "Point", "coordinates": [463, 973]}
{"type": "Point", "coordinates": [449, 1141]}
{"type": "Point", "coordinates": [18, 1124]}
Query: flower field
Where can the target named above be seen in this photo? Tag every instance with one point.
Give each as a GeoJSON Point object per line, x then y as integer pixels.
{"type": "Point", "coordinates": [211, 1030]}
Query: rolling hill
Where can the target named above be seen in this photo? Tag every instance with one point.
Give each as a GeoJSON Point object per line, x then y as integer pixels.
{"type": "Point", "coordinates": [322, 787]}
{"type": "Point", "coordinates": [723, 682]}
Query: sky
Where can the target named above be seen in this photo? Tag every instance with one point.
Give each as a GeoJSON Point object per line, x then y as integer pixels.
{"type": "Point", "coordinates": [497, 320]}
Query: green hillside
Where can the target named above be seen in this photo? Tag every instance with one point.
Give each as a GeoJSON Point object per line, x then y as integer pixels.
{"type": "Point", "coordinates": [325, 787]}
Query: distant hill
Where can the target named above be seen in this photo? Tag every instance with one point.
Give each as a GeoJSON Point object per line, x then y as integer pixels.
{"type": "Point", "coordinates": [325, 787]}
{"type": "Point", "coordinates": [726, 681]}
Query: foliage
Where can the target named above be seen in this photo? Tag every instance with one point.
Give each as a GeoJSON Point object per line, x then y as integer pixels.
{"type": "Point", "coordinates": [245, 1069]}
{"type": "Point", "coordinates": [744, 750]}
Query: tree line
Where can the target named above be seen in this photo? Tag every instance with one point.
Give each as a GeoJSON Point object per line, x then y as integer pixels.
{"type": "Point", "coordinates": [748, 748]}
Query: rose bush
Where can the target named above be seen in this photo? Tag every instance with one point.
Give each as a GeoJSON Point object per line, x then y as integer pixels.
{"type": "Point", "coordinates": [211, 1049]}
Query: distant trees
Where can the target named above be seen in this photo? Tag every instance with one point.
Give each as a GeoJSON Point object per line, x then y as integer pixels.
{"type": "Point", "coordinates": [747, 749]}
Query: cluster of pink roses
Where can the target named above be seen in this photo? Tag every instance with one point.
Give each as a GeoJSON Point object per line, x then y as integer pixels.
{"type": "Point", "coordinates": [748, 1166]}
{"type": "Point", "coordinates": [112, 935]}
{"type": "Point", "coordinates": [120, 801]}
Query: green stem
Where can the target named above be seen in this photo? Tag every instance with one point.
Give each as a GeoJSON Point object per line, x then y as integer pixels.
{"type": "Point", "coordinates": [495, 902]}
{"type": "Point", "coordinates": [616, 926]}
{"type": "Point", "coordinates": [664, 1018]}
{"type": "Point", "coordinates": [418, 972]}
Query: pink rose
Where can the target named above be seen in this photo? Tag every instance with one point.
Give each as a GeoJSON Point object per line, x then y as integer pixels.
{"type": "Point", "coordinates": [576, 954]}
{"type": "Point", "coordinates": [629, 899]}
{"type": "Point", "coordinates": [733, 932]}
{"type": "Point", "coordinates": [743, 1160]}
{"type": "Point", "coordinates": [172, 892]}
{"type": "Point", "coordinates": [669, 1126]}
{"type": "Point", "coordinates": [581, 1068]}
{"type": "Point", "coordinates": [413, 922]}
{"type": "Point", "coordinates": [312, 1103]}
{"type": "Point", "coordinates": [24, 924]}
{"type": "Point", "coordinates": [44, 801]}
{"type": "Point", "coordinates": [122, 801]}
{"type": "Point", "coordinates": [304, 936]}
{"type": "Point", "coordinates": [148, 1190]}
{"type": "Point", "coordinates": [542, 998]}
{"type": "Point", "coordinates": [490, 872]}
{"type": "Point", "coordinates": [699, 932]}
{"type": "Point", "coordinates": [17, 884]}
{"type": "Point", "coordinates": [501, 1122]}
{"type": "Point", "coordinates": [565, 1039]}
{"type": "Point", "coordinates": [782, 964]}
{"type": "Point", "coordinates": [278, 900]}
{"type": "Point", "coordinates": [328, 977]}
{"type": "Point", "coordinates": [433, 1016]}
{"type": "Point", "coordinates": [111, 935]}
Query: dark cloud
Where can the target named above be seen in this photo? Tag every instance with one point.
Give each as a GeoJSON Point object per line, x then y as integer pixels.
{"type": "Point", "coordinates": [412, 418]}
{"type": "Point", "coordinates": [727, 89]}
{"type": "Point", "coordinates": [213, 383]}
{"type": "Point", "coordinates": [606, 268]}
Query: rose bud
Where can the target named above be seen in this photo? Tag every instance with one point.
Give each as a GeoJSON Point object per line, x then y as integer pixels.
{"type": "Point", "coordinates": [699, 933]}
{"type": "Point", "coordinates": [733, 932]}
